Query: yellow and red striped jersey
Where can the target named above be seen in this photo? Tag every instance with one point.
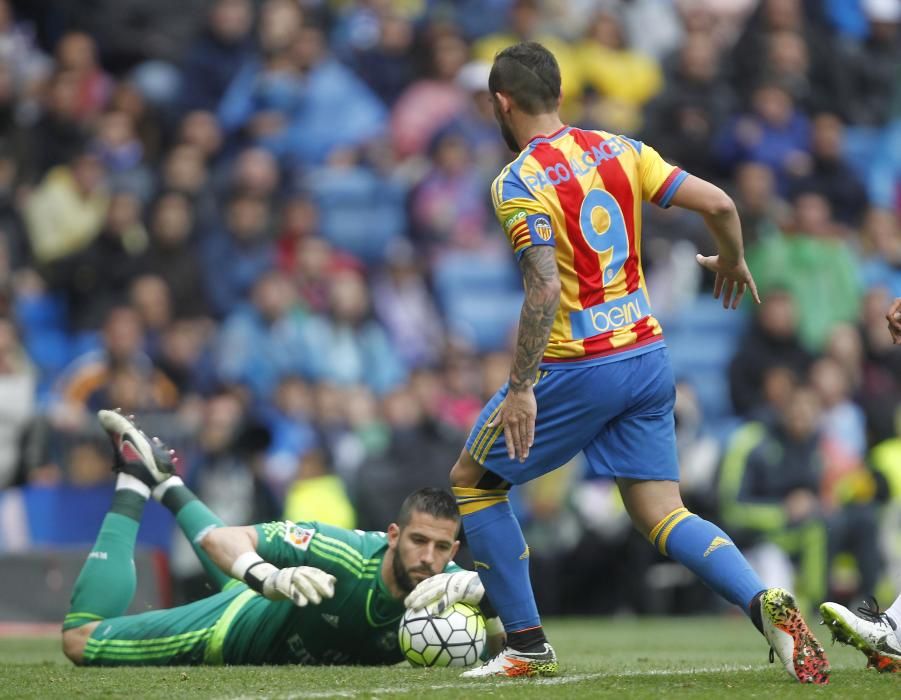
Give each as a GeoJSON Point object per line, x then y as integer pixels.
{"type": "Point", "coordinates": [581, 191]}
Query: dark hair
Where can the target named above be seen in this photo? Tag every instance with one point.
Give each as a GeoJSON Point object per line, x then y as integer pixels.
{"type": "Point", "coordinates": [529, 74]}
{"type": "Point", "coordinates": [436, 502]}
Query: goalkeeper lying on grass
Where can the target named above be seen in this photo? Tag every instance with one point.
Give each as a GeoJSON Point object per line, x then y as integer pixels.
{"type": "Point", "coordinates": [303, 593]}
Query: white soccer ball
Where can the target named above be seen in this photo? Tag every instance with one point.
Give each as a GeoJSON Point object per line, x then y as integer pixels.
{"type": "Point", "coordinates": [456, 637]}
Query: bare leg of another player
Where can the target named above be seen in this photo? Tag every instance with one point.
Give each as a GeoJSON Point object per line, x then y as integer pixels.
{"type": "Point", "coordinates": [877, 633]}
{"type": "Point", "coordinates": [894, 321]}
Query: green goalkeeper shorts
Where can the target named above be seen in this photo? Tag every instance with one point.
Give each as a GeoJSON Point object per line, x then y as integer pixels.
{"type": "Point", "coordinates": [188, 635]}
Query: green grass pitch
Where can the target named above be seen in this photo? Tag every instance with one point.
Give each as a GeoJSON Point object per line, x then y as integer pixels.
{"type": "Point", "coordinates": [721, 658]}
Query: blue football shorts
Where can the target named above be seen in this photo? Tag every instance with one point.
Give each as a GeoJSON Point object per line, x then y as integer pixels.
{"type": "Point", "coordinates": [619, 413]}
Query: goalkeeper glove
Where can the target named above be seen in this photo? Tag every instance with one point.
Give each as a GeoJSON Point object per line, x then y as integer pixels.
{"type": "Point", "coordinates": [299, 584]}
{"type": "Point", "coordinates": [441, 591]}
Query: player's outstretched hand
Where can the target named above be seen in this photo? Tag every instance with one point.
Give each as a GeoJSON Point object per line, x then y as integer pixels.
{"type": "Point", "coordinates": [894, 321]}
{"type": "Point", "coordinates": [299, 584]}
{"type": "Point", "coordinates": [517, 414]}
{"type": "Point", "coordinates": [441, 591]}
{"type": "Point", "coordinates": [732, 279]}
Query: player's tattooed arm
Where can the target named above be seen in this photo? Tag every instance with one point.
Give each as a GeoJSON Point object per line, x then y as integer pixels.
{"type": "Point", "coordinates": [541, 280]}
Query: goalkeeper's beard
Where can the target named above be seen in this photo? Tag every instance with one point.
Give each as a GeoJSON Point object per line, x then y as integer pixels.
{"type": "Point", "coordinates": [402, 576]}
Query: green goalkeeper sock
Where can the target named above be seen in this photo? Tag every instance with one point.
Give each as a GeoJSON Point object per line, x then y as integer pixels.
{"type": "Point", "coordinates": [195, 520]}
{"type": "Point", "coordinates": [107, 581]}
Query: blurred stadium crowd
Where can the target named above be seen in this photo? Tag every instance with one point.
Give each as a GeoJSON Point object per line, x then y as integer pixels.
{"type": "Point", "coordinates": [264, 227]}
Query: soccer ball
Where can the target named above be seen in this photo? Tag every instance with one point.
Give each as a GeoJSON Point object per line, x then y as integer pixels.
{"type": "Point", "coordinates": [455, 637]}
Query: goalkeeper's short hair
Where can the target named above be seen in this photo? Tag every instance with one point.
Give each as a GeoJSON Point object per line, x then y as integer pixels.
{"type": "Point", "coordinates": [436, 502]}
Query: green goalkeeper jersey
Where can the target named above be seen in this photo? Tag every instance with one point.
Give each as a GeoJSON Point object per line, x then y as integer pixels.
{"type": "Point", "coordinates": [357, 626]}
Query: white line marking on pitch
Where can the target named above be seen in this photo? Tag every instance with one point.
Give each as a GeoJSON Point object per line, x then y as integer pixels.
{"type": "Point", "coordinates": [558, 680]}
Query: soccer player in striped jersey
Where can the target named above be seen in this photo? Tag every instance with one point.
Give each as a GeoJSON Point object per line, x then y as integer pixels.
{"type": "Point", "coordinates": [591, 363]}
{"type": "Point", "coordinates": [290, 593]}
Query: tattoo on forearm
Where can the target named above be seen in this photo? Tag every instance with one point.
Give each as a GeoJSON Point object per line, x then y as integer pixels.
{"type": "Point", "coordinates": [542, 284]}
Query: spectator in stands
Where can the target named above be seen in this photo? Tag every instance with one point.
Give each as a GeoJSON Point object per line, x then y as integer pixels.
{"type": "Point", "coordinates": [149, 296]}
{"type": "Point", "coordinates": [201, 130]}
{"type": "Point", "coordinates": [185, 357]}
{"type": "Point", "coordinates": [98, 278]}
{"type": "Point", "coordinates": [302, 121]}
{"type": "Point", "coordinates": [66, 211]}
{"type": "Point", "coordinates": [842, 422]}
{"type": "Point", "coordinates": [870, 67]}
{"type": "Point", "coordinates": [347, 191]}
{"type": "Point", "coordinates": [122, 346]}
{"type": "Point", "coordinates": [881, 162]}
{"type": "Point", "coordinates": [694, 104]}
{"type": "Point", "coordinates": [235, 256]}
{"type": "Point", "coordinates": [14, 246]}
{"type": "Point", "coordinates": [17, 400]}
{"type": "Point", "coordinates": [844, 344]}
{"type": "Point", "coordinates": [817, 269]}
{"type": "Point", "coordinates": [76, 55]}
{"type": "Point", "coordinates": [120, 150]}
{"type": "Point", "coordinates": [128, 32]}
{"type": "Point", "coordinates": [477, 124]}
{"type": "Point", "coordinates": [402, 303]}
{"type": "Point", "coordinates": [289, 419]}
{"type": "Point", "coordinates": [329, 415]}
{"type": "Point", "coordinates": [526, 24]}
{"type": "Point", "coordinates": [150, 125]}
{"type": "Point", "coordinates": [310, 272]}
{"type": "Point", "coordinates": [461, 387]}
{"type": "Point", "coordinates": [122, 341]}
{"type": "Point", "coordinates": [58, 134]}
{"type": "Point", "coordinates": [769, 493]}
{"type": "Point", "coordinates": [346, 345]}
{"type": "Point", "coordinates": [416, 448]}
{"type": "Point", "coordinates": [774, 132]}
{"type": "Point", "coordinates": [266, 93]}
{"type": "Point", "coordinates": [652, 26]}
{"type": "Point", "coordinates": [787, 59]}
{"type": "Point", "coordinates": [223, 467]}
{"type": "Point", "coordinates": [881, 243]}
{"type": "Point", "coordinates": [278, 25]}
{"type": "Point", "coordinates": [261, 342]}
{"type": "Point", "coordinates": [848, 18]}
{"type": "Point", "coordinates": [386, 67]}
{"type": "Point", "coordinates": [760, 209]}
{"type": "Point", "coordinates": [771, 341]}
{"type": "Point", "coordinates": [318, 493]}
{"type": "Point", "coordinates": [172, 254]}
{"type": "Point", "coordinates": [19, 51]}
{"type": "Point", "coordinates": [448, 209]}
{"type": "Point", "coordinates": [297, 223]}
{"type": "Point", "coordinates": [7, 288]}
{"type": "Point", "coordinates": [829, 174]}
{"type": "Point", "coordinates": [849, 487]}
{"type": "Point", "coordinates": [769, 45]}
{"type": "Point", "coordinates": [216, 55]}
{"type": "Point", "coordinates": [623, 79]}
{"type": "Point", "coordinates": [432, 102]}
{"type": "Point", "coordinates": [698, 450]}
{"type": "Point", "coordinates": [722, 20]}
{"type": "Point", "coordinates": [368, 432]}
{"type": "Point", "coordinates": [184, 170]}
{"type": "Point", "coordinates": [13, 137]}
{"type": "Point", "coordinates": [254, 172]}
{"type": "Point", "coordinates": [880, 389]}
